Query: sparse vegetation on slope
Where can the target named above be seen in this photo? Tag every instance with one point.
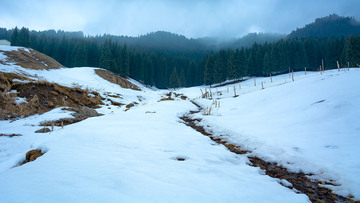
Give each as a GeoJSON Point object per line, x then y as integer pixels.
{"type": "Point", "coordinates": [39, 97]}
{"type": "Point", "coordinates": [113, 78]}
{"type": "Point", "coordinates": [30, 59]}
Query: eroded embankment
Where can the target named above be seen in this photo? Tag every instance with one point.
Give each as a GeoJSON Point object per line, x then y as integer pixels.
{"type": "Point", "coordinates": [301, 182]}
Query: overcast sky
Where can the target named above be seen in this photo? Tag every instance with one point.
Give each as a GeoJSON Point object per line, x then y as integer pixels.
{"type": "Point", "coordinates": [192, 18]}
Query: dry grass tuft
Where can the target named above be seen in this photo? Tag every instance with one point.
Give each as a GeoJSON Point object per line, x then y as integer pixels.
{"type": "Point", "coordinates": [41, 97]}
{"type": "Point", "coordinates": [113, 78]}
{"type": "Point", "coordinates": [166, 99]}
{"type": "Point", "coordinates": [9, 135]}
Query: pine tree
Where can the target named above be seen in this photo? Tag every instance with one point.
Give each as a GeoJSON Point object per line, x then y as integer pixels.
{"type": "Point", "coordinates": [24, 37]}
{"type": "Point", "coordinates": [116, 60]}
{"type": "Point", "coordinates": [182, 78]}
{"type": "Point", "coordinates": [352, 51]}
{"type": "Point", "coordinates": [14, 38]}
{"type": "Point", "coordinates": [231, 66]}
{"type": "Point", "coordinates": [80, 58]}
{"type": "Point", "coordinates": [125, 61]}
{"type": "Point", "coordinates": [60, 50]}
{"type": "Point", "coordinates": [243, 65]}
{"type": "Point", "coordinates": [174, 81]}
{"type": "Point", "coordinates": [105, 55]}
{"type": "Point", "coordinates": [209, 70]}
{"type": "Point", "coordinates": [220, 70]}
{"type": "Point", "coordinates": [267, 65]}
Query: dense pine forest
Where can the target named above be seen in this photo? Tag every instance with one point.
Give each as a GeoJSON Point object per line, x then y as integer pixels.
{"type": "Point", "coordinates": [167, 60]}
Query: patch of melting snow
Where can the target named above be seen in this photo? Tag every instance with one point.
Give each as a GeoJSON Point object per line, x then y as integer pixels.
{"type": "Point", "coordinates": [18, 80]}
{"type": "Point", "coordinates": [20, 100]}
{"type": "Point", "coordinates": [285, 183]}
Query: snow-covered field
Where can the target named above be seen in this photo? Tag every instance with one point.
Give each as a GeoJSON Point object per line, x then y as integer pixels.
{"type": "Point", "coordinates": [310, 124]}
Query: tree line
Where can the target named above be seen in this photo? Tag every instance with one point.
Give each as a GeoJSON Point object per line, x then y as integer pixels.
{"type": "Point", "coordinates": [279, 57]}
{"type": "Point", "coordinates": [152, 67]}
{"type": "Point", "coordinates": [173, 68]}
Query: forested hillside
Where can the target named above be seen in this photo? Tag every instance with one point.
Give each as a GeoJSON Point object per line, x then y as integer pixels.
{"type": "Point", "coordinates": [164, 60]}
{"type": "Point", "coordinates": [330, 26]}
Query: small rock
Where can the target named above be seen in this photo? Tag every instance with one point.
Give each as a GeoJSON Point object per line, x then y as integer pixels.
{"type": "Point", "coordinates": [43, 130]}
{"type": "Point", "coordinates": [83, 112]}
{"type": "Point", "coordinates": [130, 105]}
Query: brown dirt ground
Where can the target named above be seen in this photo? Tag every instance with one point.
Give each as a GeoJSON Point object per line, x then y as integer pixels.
{"type": "Point", "coordinates": [32, 60]}
{"type": "Point", "coordinates": [40, 96]}
{"type": "Point", "coordinates": [113, 78]}
{"type": "Point", "coordinates": [31, 155]}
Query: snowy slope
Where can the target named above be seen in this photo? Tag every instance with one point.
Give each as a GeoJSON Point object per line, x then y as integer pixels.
{"type": "Point", "coordinates": [131, 157]}
{"type": "Point", "coordinates": [125, 156]}
{"type": "Point", "coordinates": [310, 125]}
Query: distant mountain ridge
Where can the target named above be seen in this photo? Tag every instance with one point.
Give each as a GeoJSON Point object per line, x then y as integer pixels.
{"type": "Point", "coordinates": [330, 26]}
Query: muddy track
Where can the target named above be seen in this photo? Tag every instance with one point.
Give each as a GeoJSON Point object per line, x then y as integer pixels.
{"type": "Point", "coordinates": [300, 181]}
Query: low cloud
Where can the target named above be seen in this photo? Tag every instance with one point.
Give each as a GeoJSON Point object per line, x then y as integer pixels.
{"type": "Point", "coordinates": [232, 18]}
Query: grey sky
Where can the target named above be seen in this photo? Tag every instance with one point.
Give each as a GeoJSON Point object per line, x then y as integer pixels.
{"type": "Point", "coordinates": [192, 18]}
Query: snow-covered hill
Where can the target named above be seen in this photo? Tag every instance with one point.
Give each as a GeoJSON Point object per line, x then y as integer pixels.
{"type": "Point", "coordinates": [309, 125]}
{"type": "Point", "coordinates": [146, 154]}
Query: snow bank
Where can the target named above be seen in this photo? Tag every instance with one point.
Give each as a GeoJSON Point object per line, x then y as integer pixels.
{"type": "Point", "coordinates": [310, 124]}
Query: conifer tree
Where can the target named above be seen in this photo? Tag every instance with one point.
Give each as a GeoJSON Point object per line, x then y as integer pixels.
{"type": "Point", "coordinates": [116, 60]}
{"type": "Point", "coordinates": [209, 70]}
{"type": "Point", "coordinates": [243, 63]}
{"type": "Point", "coordinates": [105, 55]}
{"type": "Point", "coordinates": [267, 65]}
{"type": "Point", "coordinates": [231, 66]}
{"type": "Point", "coordinates": [14, 38]}
{"type": "Point", "coordinates": [182, 78]}
{"type": "Point", "coordinates": [80, 59]}
{"type": "Point", "coordinates": [125, 61]}
{"type": "Point", "coordinates": [174, 81]}
{"type": "Point", "coordinates": [24, 37]}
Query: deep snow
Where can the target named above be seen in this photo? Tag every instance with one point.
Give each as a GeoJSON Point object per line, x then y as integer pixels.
{"type": "Point", "coordinates": [131, 156]}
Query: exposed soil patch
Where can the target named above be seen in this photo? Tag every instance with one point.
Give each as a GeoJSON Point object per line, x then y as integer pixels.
{"type": "Point", "coordinates": [80, 113]}
{"type": "Point", "coordinates": [32, 59]}
{"type": "Point", "coordinates": [31, 155]}
{"type": "Point", "coordinates": [9, 135]}
{"type": "Point", "coordinates": [166, 99]}
{"type": "Point", "coordinates": [115, 96]}
{"type": "Point", "coordinates": [40, 97]}
{"type": "Point", "coordinates": [115, 103]}
{"type": "Point", "coordinates": [83, 112]}
{"type": "Point", "coordinates": [170, 96]}
{"type": "Point", "coordinates": [300, 181]}
{"type": "Point", "coordinates": [113, 78]}
{"type": "Point", "coordinates": [128, 106]}
{"type": "Point", "coordinates": [43, 130]}
{"type": "Point", "coordinates": [61, 122]}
